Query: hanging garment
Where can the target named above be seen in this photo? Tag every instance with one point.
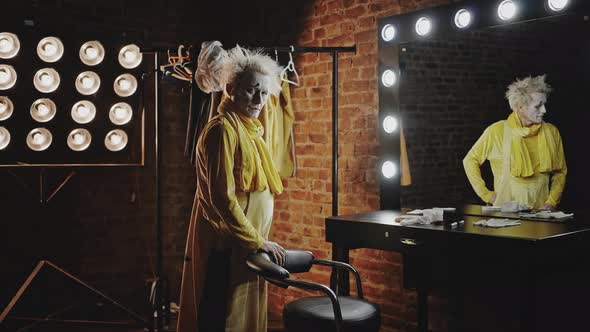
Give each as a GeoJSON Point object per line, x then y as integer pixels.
{"type": "Point", "coordinates": [198, 116]}
{"type": "Point", "coordinates": [232, 216]}
{"type": "Point", "coordinates": [528, 163]}
{"type": "Point", "coordinates": [406, 176]}
{"type": "Point", "coordinates": [277, 118]}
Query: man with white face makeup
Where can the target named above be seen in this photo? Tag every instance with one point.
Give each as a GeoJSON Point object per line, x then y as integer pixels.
{"type": "Point", "coordinates": [526, 154]}
{"type": "Point", "coordinates": [233, 208]}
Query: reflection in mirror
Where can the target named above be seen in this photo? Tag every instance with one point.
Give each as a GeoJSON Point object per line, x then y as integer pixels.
{"type": "Point", "coordinates": [452, 89]}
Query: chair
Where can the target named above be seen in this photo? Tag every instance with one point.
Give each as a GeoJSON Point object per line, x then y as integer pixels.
{"type": "Point", "coordinates": [317, 313]}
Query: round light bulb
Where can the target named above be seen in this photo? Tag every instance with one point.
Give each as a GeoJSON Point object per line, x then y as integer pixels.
{"type": "Point", "coordinates": [6, 45]}
{"type": "Point", "coordinates": [91, 52]}
{"type": "Point", "coordinates": [507, 10]}
{"type": "Point", "coordinates": [4, 76]}
{"type": "Point", "coordinates": [130, 55]}
{"type": "Point", "coordinates": [389, 124]}
{"type": "Point", "coordinates": [423, 26]}
{"type": "Point", "coordinates": [388, 169]}
{"type": "Point", "coordinates": [388, 78]}
{"type": "Point", "coordinates": [124, 84]}
{"type": "Point", "coordinates": [388, 32]}
{"type": "Point", "coordinates": [79, 138]}
{"type": "Point", "coordinates": [115, 139]}
{"type": "Point", "coordinates": [42, 109]}
{"type": "Point", "coordinates": [557, 5]}
{"type": "Point", "coordinates": [39, 138]}
{"type": "Point", "coordinates": [462, 18]}
{"type": "Point", "coordinates": [46, 79]}
{"type": "Point", "coordinates": [2, 137]}
{"type": "Point", "coordinates": [83, 111]}
{"type": "Point", "coordinates": [87, 82]}
{"type": "Point", "coordinates": [3, 107]}
{"type": "Point", "coordinates": [49, 49]}
{"type": "Point", "coordinates": [120, 113]}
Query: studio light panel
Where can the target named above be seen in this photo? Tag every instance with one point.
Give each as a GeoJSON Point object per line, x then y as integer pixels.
{"type": "Point", "coordinates": [69, 99]}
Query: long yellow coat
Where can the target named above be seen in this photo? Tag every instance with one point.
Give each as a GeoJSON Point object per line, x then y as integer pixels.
{"type": "Point", "coordinates": [509, 153]}
{"type": "Point", "coordinates": [226, 223]}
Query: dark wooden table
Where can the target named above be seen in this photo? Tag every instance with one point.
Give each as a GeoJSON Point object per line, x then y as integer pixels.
{"type": "Point", "coordinates": [427, 250]}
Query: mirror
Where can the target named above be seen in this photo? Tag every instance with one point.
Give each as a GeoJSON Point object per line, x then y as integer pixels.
{"type": "Point", "coordinates": [451, 89]}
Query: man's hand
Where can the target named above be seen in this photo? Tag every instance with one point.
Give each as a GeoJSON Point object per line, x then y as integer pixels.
{"type": "Point", "coordinates": [274, 249]}
{"type": "Point", "coordinates": [548, 206]}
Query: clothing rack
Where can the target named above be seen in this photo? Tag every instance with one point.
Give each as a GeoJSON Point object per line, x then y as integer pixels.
{"type": "Point", "coordinates": [340, 280]}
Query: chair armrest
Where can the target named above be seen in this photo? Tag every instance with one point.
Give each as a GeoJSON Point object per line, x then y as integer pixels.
{"type": "Point", "coordinates": [343, 266]}
{"type": "Point", "coordinates": [263, 265]}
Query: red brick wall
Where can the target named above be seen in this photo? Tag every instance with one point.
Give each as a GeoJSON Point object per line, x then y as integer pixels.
{"type": "Point", "coordinates": [300, 211]}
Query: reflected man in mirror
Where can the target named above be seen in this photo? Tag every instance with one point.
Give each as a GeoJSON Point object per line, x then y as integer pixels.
{"type": "Point", "coordinates": [525, 153]}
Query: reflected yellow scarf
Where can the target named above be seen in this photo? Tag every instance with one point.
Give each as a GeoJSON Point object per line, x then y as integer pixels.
{"type": "Point", "coordinates": [550, 157]}
{"type": "Point", "coordinates": [257, 168]}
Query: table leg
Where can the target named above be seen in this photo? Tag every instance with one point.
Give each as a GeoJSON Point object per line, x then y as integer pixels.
{"type": "Point", "coordinates": [339, 279]}
{"type": "Point", "coordinates": [422, 309]}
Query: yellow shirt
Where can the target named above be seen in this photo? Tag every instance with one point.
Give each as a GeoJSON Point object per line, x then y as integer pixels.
{"type": "Point", "coordinates": [489, 147]}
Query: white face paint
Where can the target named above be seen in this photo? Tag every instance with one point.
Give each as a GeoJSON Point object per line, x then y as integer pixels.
{"type": "Point", "coordinates": [251, 93]}
{"type": "Point", "coordinates": [535, 110]}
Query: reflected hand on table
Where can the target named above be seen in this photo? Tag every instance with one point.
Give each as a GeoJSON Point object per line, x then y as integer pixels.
{"type": "Point", "coordinates": [274, 249]}
{"type": "Point", "coordinates": [548, 206]}
{"type": "Point", "coordinates": [493, 199]}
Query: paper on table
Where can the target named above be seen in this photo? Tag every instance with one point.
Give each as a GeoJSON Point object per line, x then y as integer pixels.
{"type": "Point", "coordinates": [490, 209]}
{"type": "Point", "coordinates": [496, 223]}
{"type": "Point", "coordinates": [547, 215]}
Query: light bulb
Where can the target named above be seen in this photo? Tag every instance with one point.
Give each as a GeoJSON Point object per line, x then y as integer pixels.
{"type": "Point", "coordinates": [462, 18]}
{"type": "Point", "coordinates": [130, 55]}
{"type": "Point", "coordinates": [91, 52]}
{"type": "Point", "coordinates": [87, 82]}
{"type": "Point", "coordinates": [4, 76]}
{"type": "Point", "coordinates": [79, 138]}
{"type": "Point", "coordinates": [83, 111]}
{"type": "Point", "coordinates": [120, 113]}
{"type": "Point", "coordinates": [42, 109]}
{"type": "Point", "coordinates": [507, 10]}
{"type": "Point", "coordinates": [39, 138]}
{"type": "Point", "coordinates": [388, 169]}
{"type": "Point", "coordinates": [388, 32]}
{"type": "Point", "coordinates": [3, 107]}
{"type": "Point", "coordinates": [46, 79]}
{"type": "Point", "coordinates": [389, 124]}
{"type": "Point", "coordinates": [115, 139]}
{"type": "Point", "coordinates": [6, 45]}
{"type": "Point", "coordinates": [423, 26]}
{"type": "Point", "coordinates": [2, 137]}
{"type": "Point", "coordinates": [49, 49]}
{"type": "Point", "coordinates": [388, 78]}
{"type": "Point", "coordinates": [557, 5]}
{"type": "Point", "coordinates": [124, 84]}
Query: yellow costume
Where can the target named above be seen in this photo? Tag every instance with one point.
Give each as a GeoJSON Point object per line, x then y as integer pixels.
{"type": "Point", "coordinates": [528, 163]}
{"type": "Point", "coordinates": [277, 118]}
{"type": "Point", "coordinates": [232, 215]}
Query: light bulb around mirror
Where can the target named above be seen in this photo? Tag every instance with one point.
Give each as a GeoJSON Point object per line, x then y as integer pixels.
{"type": "Point", "coordinates": [79, 139]}
{"type": "Point", "coordinates": [557, 5]}
{"type": "Point", "coordinates": [462, 18]}
{"type": "Point", "coordinates": [389, 124]}
{"type": "Point", "coordinates": [388, 169]}
{"type": "Point", "coordinates": [6, 108]}
{"type": "Point", "coordinates": [116, 140]}
{"type": "Point", "coordinates": [87, 83]}
{"type": "Point", "coordinates": [43, 110]}
{"type": "Point", "coordinates": [92, 53]}
{"type": "Point", "coordinates": [4, 138]}
{"type": "Point", "coordinates": [125, 85]}
{"type": "Point", "coordinates": [46, 80]}
{"type": "Point", "coordinates": [423, 26]}
{"type": "Point", "coordinates": [50, 49]}
{"type": "Point", "coordinates": [9, 45]}
{"type": "Point", "coordinates": [7, 77]}
{"type": "Point", "coordinates": [388, 32]}
{"type": "Point", "coordinates": [507, 10]}
{"type": "Point", "coordinates": [39, 139]}
{"type": "Point", "coordinates": [120, 113]}
{"type": "Point", "coordinates": [83, 112]}
{"type": "Point", "coordinates": [130, 56]}
{"type": "Point", "coordinates": [388, 78]}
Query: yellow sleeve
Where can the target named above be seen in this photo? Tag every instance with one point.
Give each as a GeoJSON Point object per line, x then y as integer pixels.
{"type": "Point", "coordinates": [557, 177]}
{"type": "Point", "coordinates": [219, 148]}
{"type": "Point", "coordinates": [472, 162]}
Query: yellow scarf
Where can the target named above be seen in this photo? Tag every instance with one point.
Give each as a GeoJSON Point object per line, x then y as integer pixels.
{"type": "Point", "coordinates": [550, 157]}
{"type": "Point", "coordinates": [257, 168]}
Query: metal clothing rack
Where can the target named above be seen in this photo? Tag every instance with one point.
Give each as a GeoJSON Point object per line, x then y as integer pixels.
{"type": "Point", "coordinates": [161, 302]}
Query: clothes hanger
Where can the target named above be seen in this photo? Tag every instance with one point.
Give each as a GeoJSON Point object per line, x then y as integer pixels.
{"type": "Point", "coordinates": [290, 67]}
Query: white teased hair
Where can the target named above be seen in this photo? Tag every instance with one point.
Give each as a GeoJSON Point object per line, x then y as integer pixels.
{"type": "Point", "coordinates": [241, 60]}
{"type": "Point", "coordinates": [519, 92]}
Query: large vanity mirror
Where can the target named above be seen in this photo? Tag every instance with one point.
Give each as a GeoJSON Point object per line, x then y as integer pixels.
{"type": "Point", "coordinates": [453, 87]}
